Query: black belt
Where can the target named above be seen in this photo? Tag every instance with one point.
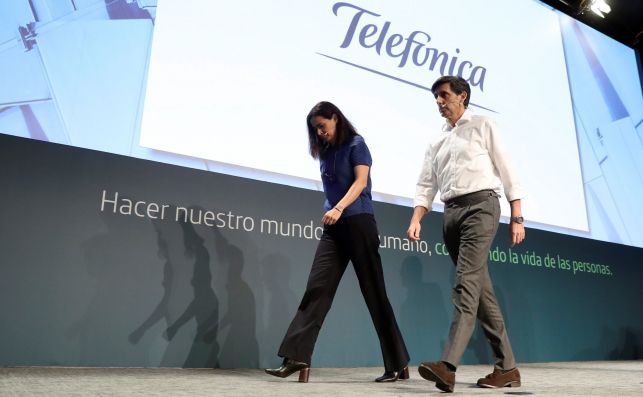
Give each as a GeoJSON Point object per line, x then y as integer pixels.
{"type": "Point", "coordinates": [471, 198]}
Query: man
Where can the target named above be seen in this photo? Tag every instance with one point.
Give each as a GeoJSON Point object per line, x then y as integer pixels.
{"type": "Point", "coordinates": [468, 165]}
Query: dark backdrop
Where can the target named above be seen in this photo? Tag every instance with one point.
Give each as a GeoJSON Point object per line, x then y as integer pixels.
{"type": "Point", "coordinates": [85, 281]}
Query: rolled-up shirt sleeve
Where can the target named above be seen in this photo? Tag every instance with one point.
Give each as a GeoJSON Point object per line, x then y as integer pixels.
{"type": "Point", "coordinates": [425, 189]}
{"type": "Point", "coordinates": [502, 162]}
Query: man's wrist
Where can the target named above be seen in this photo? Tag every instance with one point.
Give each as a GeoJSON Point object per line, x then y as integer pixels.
{"type": "Point", "coordinates": [517, 219]}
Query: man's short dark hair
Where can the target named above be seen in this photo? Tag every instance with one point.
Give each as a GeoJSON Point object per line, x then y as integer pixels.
{"type": "Point", "coordinates": [457, 85]}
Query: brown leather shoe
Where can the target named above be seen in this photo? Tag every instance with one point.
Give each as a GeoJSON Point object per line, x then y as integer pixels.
{"type": "Point", "coordinates": [498, 379]}
{"type": "Point", "coordinates": [439, 373]}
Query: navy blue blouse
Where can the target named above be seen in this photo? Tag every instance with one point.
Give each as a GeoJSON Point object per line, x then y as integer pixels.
{"type": "Point", "coordinates": [337, 174]}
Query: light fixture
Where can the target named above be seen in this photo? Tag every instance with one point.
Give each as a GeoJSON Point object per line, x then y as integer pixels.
{"type": "Point", "coordinates": [600, 7]}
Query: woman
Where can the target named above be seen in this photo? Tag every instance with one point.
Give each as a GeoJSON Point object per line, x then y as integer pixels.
{"type": "Point", "coordinates": [350, 234]}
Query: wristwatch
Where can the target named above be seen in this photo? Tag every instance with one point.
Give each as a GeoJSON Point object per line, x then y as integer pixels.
{"type": "Point", "coordinates": [517, 219]}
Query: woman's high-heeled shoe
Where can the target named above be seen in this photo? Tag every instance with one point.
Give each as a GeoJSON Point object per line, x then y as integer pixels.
{"type": "Point", "coordinates": [392, 376]}
{"type": "Point", "coordinates": [291, 366]}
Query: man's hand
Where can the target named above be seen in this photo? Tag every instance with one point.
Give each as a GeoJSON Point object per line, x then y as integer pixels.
{"type": "Point", "coordinates": [516, 230]}
{"type": "Point", "coordinates": [414, 226]}
{"type": "Point", "coordinates": [414, 231]}
{"type": "Point", "coordinates": [516, 233]}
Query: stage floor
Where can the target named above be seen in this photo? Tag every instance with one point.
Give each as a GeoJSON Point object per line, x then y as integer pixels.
{"type": "Point", "coordinates": [594, 378]}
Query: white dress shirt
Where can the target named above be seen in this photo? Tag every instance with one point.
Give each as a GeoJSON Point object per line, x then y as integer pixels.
{"type": "Point", "coordinates": [466, 158]}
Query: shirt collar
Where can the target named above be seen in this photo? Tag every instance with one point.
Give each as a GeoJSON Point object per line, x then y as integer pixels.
{"type": "Point", "coordinates": [465, 118]}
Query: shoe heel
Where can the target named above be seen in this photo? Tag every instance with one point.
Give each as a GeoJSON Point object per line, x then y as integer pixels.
{"type": "Point", "coordinates": [404, 374]}
{"type": "Point", "coordinates": [514, 384]}
{"type": "Point", "coordinates": [444, 387]}
{"type": "Point", "coordinates": [303, 375]}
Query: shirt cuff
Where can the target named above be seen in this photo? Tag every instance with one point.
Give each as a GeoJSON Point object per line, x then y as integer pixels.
{"type": "Point", "coordinates": [422, 203]}
{"type": "Point", "coordinates": [515, 193]}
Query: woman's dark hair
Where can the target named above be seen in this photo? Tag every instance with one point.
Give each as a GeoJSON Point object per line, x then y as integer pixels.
{"type": "Point", "coordinates": [343, 128]}
{"type": "Point", "coordinates": [457, 85]}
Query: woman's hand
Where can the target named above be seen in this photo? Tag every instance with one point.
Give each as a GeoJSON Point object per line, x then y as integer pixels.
{"type": "Point", "coordinates": [361, 180]}
{"type": "Point", "coordinates": [332, 216]}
